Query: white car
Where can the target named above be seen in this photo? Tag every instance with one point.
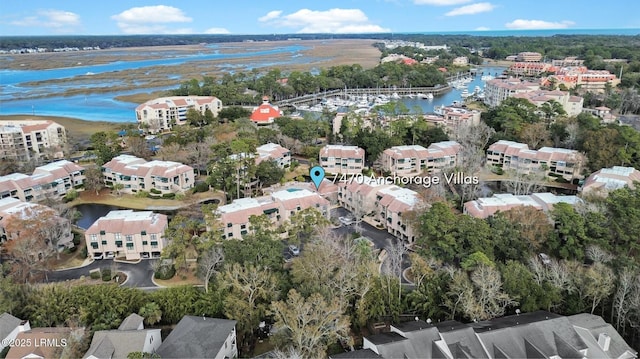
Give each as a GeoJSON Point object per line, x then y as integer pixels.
{"type": "Point", "coordinates": [97, 256]}
{"type": "Point", "coordinates": [346, 220]}
{"type": "Point", "coordinates": [294, 250]}
{"type": "Point", "coordinates": [109, 255]}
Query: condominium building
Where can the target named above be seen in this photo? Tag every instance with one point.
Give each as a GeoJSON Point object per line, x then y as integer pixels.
{"type": "Point", "coordinates": [413, 160]}
{"type": "Point", "coordinates": [588, 80]}
{"type": "Point", "coordinates": [278, 206]}
{"type": "Point", "coordinates": [529, 68]}
{"type": "Point", "coordinates": [57, 228]}
{"type": "Point", "coordinates": [486, 207]}
{"type": "Point", "coordinates": [162, 113]}
{"type": "Point", "coordinates": [340, 159]}
{"type": "Point", "coordinates": [609, 179]}
{"type": "Point", "coordinates": [23, 140]}
{"type": "Point", "coordinates": [127, 233]}
{"type": "Point", "coordinates": [383, 202]}
{"type": "Point", "coordinates": [528, 56]}
{"type": "Point", "coordinates": [460, 61]}
{"type": "Point", "coordinates": [274, 152]}
{"type": "Point", "coordinates": [55, 179]}
{"type": "Point", "coordinates": [136, 174]}
{"type": "Point", "coordinates": [498, 90]}
{"type": "Point", "coordinates": [552, 161]}
{"type": "Point", "coordinates": [572, 105]}
{"type": "Point", "coordinates": [452, 119]}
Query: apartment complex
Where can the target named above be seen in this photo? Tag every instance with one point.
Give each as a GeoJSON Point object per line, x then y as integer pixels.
{"type": "Point", "coordinates": [530, 68]}
{"type": "Point", "coordinates": [51, 180]}
{"type": "Point", "coordinates": [537, 334]}
{"type": "Point", "coordinates": [610, 179]}
{"type": "Point", "coordinates": [278, 206]}
{"type": "Point", "coordinates": [23, 140]}
{"type": "Point", "coordinates": [52, 224]}
{"type": "Point", "coordinates": [572, 105]}
{"type": "Point", "coordinates": [274, 152]}
{"type": "Point", "coordinates": [498, 90]}
{"type": "Point", "coordinates": [588, 80]}
{"type": "Point", "coordinates": [412, 160]}
{"type": "Point", "coordinates": [340, 159]}
{"type": "Point", "coordinates": [528, 56]}
{"type": "Point", "coordinates": [383, 202]}
{"type": "Point", "coordinates": [136, 174]}
{"type": "Point", "coordinates": [162, 113]}
{"type": "Point", "coordinates": [453, 118]}
{"type": "Point", "coordinates": [133, 235]}
{"type": "Point", "coordinates": [488, 206]}
{"type": "Point", "coordinates": [266, 113]}
{"type": "Point", "coordinates": [553, 161]}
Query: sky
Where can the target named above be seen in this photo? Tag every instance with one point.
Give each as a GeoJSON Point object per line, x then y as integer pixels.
{"type": "Point", "coordinates": [58, 17]}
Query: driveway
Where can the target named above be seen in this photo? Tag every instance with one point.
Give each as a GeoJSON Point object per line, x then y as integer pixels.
{"type": "Point", "coordinates": [380, 237]}
{"type": "Point", "coordinates": [139, 274]}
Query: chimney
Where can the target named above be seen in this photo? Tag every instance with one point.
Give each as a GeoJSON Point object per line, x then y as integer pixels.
{"type": "Point", "coordinates": [604, 340]}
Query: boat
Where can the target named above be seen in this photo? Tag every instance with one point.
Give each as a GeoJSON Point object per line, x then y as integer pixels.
{"type": "Point", "coordinates": [421, 95]}
{"type": "Point", "coordinates": [429, 96]}
{"type": "Point", "coordinates": [465, 93]}
{"type": "Point", "coordinates": [439, 110]}
{"type": "Point", "coordinates": [476, 90]}
{"type": "Point", "coordinates": [395, 96]}
{"type": "Point", "coordinates": [487, 77]}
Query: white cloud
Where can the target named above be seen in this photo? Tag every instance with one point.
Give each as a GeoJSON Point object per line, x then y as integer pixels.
{"type": "Point", "coordinates": [329, 21]}
{"type": "Point", "coordinates": [482, 28]}
{"type": "Point", "coordinates": [59, 20]}
{"type": "Point", "coordinates": [471, 9]}
{"type": "Point", "coordinates": [151, 19]}
{"type": "Point", "coordinates": [216, 30]}
{"type": "Point", "coordinates": [440, 2]}
{"type": "Point", "coordinates": [521, 24]}
{"type": "Point", "coordinates": [271, 15]}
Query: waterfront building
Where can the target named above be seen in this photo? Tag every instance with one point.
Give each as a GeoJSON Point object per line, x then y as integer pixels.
{"type": "Point", "coordinates": [528, 56]}
{"type": "Point", "coordinates": [510, 155]}
{"type": "Point", "coordinates": [266, 113]}
{"type": "Point", "coordinates": [588, 80]}
{"type": "Point", "coordinates": [498, 90]}
{"type": "Point", "coordinates": [341, 159]}
{"type": "Point", "coordinates": [278, 206]}
{"type": "Point", "coordinates": [136, 174]}
{"type": "Point", "coordinates": [55, 180]}
{"type": "Point", "coordinates": [162, 113]}
{"type": "Point", "coordinates": [23, 140]}
{"type": "Point", "coordinates": [127, 233]}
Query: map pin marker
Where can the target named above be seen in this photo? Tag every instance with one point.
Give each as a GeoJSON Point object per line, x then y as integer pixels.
{"type": "Point", "coordinates": [317, 175]}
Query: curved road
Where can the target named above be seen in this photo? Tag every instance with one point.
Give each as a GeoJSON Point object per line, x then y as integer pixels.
{"type": "Point", "coordinates": [139, 274]}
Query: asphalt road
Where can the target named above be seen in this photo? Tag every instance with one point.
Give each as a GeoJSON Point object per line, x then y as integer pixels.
{"type": "Point", "coordinates": [139, 274]}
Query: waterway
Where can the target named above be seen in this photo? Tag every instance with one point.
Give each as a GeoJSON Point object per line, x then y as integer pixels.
{"type": "Point", "coordinates": [91, 212]}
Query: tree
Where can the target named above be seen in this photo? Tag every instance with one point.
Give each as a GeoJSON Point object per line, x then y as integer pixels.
{"type": "Point", "coordinates": [93, 179]}
{"type": "Point", "coordinates": [184, 240]}
{"type": "Point", "coordinates": [106, 146]}
{"type": "Point", "coordinates": [535, 135]}
{"type": "Point", "coordinates": [138, 146]}
{"type": "Point", "coordinates": [569, 239]}
{"type": "Point", "coordinates": [250, 290]}
{"type": "Point", "coordinates": [208, 264]}
{"type": "Point", "coordinates": [269, 173]}
{"type": "Point", "coordinates": [151, 313]}
{"type": "Point", "coordinates": [310, 324]}
{"type": "Point", "coordinates": [488, 300]}
{"type": "Point", "coordinates": [304, 223]}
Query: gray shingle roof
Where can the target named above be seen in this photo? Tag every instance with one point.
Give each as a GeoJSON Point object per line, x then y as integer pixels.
{"type": "Point", "coordinates": [132, 322]}
{"type": "Point", "coordinates": [357, 354]}
{"type": "Point", "coordinates": [589, 327]}
{"type": "Point", "coordinates": [117, 343]}
{"type": "Point", "coordinates": [196, 337]}
{"type": "Point", "coordinates": [7, 324]}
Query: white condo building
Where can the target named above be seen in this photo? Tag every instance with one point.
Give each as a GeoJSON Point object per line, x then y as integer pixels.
{"type": "Point", "coordinates": [340, 159]}
{"type": "Point", "coordinates": [22, 140]}
{"type": "Point", "coordinates": [162, 113]}
{"type": "Point", "coordinates": [127, 233]}
{"type": "Point", "coordinates": [413, 160]}
{"type": "Point", "coordinates": [136, 174]}
{"type": "Point", "coordinates": [55, 179]}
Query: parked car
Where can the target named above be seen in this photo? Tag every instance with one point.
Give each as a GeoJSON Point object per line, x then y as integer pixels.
{"type": "Point", "coordinates": [97, 256]}
{"type": "Point", "coordinates": [544, 258]}
{"type": "Point", "coordinates": [109, 255]}
{"type": "Point", "coordinates": [294, 250]}
{"type": "Point", "coordinates": [346, 220]}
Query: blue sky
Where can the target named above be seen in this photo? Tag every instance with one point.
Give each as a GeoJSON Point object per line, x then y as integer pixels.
{"type": "Point", "coordinates": [56, 17]}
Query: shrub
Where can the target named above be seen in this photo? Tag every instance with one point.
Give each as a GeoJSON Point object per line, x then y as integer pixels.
{"type": "Point", "coordinates": [84, 252]}
{"type": "Point", "coordinates": [71, 195]}
{"type": "Point", "coordinates": [169, 195]}
{"type": "Point", "coordinates": [106, 275]}
{"type": "Point", "coordinates": [165, 272]}
{"type": "Point", "coordinates": [200, 187]}
{"type": "Point", "coordinates": [155, 191]}
{"type": "Point", "coordinates": [142, 194]}
{"type": "Point", "coordinates": [94, 275]}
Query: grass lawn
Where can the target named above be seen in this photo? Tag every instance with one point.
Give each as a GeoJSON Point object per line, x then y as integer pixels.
{"type": "Point", "coordinates": [131, 201]}
{"type": "Point", "coordinates": [301, 170]}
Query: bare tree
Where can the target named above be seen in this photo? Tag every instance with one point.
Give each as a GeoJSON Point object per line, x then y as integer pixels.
{"type": "Point", "coordinates": [208, 264]}
{"type": "Point", "coordinates": [525, 181]}
{"type": "Point", "coordinates": [599, 284]}
{"type": "Point", "coordinates": [622, 300]}
{"type": "Point", "coordinates": [490, 301]}
{"type": "Point", "coordinates": [395, 255]}
{"type": "Point", "coordinates": [598, 254]}
{"type": "Point", "coordinates": [473, 139]}
{"type": "Point", "coordinates": [460, 291]}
